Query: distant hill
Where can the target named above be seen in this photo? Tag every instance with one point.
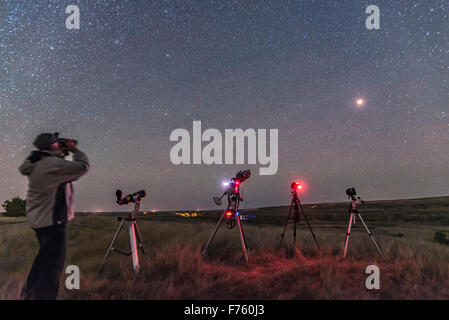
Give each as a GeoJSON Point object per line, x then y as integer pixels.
{"type": "Point", "coordinates": [433, 210]}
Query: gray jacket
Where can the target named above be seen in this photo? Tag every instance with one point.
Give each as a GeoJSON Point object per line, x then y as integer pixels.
{"type": "Point", "coordinates": [50, 191]}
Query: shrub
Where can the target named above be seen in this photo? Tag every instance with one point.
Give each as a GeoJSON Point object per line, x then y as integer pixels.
{"type": "Point", "coordinates": [14, 208]}
{"type": "Point", "coordinates": [440, 237]}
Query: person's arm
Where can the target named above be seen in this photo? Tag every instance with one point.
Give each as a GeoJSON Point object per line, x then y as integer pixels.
{"type": "Point", "coordinates": [67, 171]}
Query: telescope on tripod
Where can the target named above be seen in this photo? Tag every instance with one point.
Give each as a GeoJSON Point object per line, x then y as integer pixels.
{"type": "Point", "coordinates": [294, 212]}
{"type": "Point", "coordinates": [131, 221]}
{"type": "Point", "coordinates": [353, 211]}
{"type": "Point", "coordinates": [231, 215]}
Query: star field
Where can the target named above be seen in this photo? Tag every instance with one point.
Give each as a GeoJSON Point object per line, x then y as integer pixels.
{"type": "Point", "coordinates": [137, 70]}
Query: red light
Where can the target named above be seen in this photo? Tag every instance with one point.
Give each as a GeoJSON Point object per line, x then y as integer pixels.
{"type": "Point", "coordinates": [229, 214]}
{"type": "Point", "coordinates": [237, 182]}
{"type": "Point", "coordinates": [298, 186]}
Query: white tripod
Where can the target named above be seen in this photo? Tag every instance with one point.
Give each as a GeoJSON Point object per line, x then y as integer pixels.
{"type": "Point", "coordinates": [354, 211]}
{"type": "Point", "coordinates": [134, 234]}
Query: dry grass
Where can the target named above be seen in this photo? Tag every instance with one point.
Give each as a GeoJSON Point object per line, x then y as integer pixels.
{"type": "Point", "coordinates": [414, 267]}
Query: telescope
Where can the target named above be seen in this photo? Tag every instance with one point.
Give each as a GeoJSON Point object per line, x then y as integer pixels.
{"type": "Point", "coordinates": [234, 187]}
{"type": "Point", "coordinates": [242, 175]}
{"type": "Point", "coordinates": [231, 215]}
{"type": "Point", "coordinates": [130, 198]}
{"type": "Point", "coordinates": [136, 242]}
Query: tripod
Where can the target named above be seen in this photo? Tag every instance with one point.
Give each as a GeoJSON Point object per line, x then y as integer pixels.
{"type": "Point", "coordinates": [294, 208]}
{"type": "Point", "coordinates": [232, 215]}
{"type": "Point", "coordinates": [134, 234]}
{"type": "Point", "coordinates": [352, 212]}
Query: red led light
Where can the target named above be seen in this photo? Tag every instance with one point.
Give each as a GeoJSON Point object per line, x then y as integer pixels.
{"type": "Point", "coordinates": [298, 186]}
{"type": "Point", "coordinates": [229, 214]}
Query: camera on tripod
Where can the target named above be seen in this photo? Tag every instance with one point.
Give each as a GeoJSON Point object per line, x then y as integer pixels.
{"type": "Point", "coordinates": [296, 186]}
{"type": "Point", "coordinates": [353, 211]}
{"type": "Point", "coordinates": [351, 193]}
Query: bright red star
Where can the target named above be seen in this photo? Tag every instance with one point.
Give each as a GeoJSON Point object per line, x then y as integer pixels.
{"type": "Point", "coordinates": [360, 102]}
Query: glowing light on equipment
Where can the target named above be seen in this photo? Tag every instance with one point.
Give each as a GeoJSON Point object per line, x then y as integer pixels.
{"type": "Point", "coordinates": [229, 214]}
{"type": "Point", "coordinates": [297, 186]}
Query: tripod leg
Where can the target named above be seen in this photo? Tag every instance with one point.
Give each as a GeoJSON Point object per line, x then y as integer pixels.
{"type": "Point", "coordinates": [113, 240]}
{"type": "Point", "coordinates": [286, 224]}
{"type": "Point", "coordinates": [294, 233]}
{"type": "Point", "coordinates": [369, 233]}
{"type": "Point", "coordinates": [242, 237]}
{"type": "Point", "coordinates": [347, 235]}
{"type": "Point", "coordinates": [132, 238]}
{"type": "Point", "coordinates": [213, 233]}
{"type": "Point", "coordinates": [310, 227]}
{"type": "Point", "coordinates": [139, 239]}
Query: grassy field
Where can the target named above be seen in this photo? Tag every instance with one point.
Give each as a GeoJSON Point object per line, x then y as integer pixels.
{"type": "Point", "coordinates": [414, 266]}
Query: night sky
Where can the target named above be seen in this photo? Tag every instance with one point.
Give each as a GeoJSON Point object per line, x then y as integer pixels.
{"type": "Point", "coordinates": [137, 70]}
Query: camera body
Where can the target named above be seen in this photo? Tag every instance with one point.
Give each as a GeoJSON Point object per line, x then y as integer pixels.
{"type": "Point", "coordinates": [351, 193]}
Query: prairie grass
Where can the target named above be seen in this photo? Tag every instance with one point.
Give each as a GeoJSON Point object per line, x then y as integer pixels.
{"type": "Point", "coordinates": [414, 267]}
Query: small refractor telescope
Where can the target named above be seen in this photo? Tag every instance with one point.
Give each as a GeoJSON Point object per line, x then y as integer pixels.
{"type": "Point", "coordinates": [131, 220]}
{"type": "Point", "coordinates": [130, 198]}
{"type": "Point", "coordinates": [232, 215]}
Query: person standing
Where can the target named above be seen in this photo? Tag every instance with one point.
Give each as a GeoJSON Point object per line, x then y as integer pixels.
{"type": "Point", "coordinates": [49, 207]}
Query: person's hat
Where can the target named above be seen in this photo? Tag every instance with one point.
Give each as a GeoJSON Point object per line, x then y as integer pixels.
{"type": "Point", "coordinates": [45, 140]}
